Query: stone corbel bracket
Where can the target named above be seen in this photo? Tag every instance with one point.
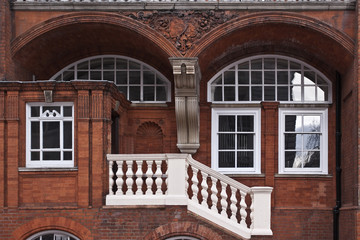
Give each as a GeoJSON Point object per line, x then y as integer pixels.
{"type": "Point", "coordinates": [186, 82]}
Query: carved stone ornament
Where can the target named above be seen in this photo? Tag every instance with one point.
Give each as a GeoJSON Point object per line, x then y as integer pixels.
{"type": "Point", "coordinates": [182, 28]}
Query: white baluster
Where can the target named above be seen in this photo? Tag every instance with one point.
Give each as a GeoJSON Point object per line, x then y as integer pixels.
{"type": "Point", "coordinates": [223, 200]}
{"type": "Point", "coordinates": [139, 180]}
{"type": "Point", "coordinates": [204, 190]}
{"type": "Point", "coordinates": [119, 180]}
{"type": "Point", "coordinates": [158, 180]}
{"type": "Point", "coordinates": [233, 206]}
{"type": "Point", "coordinates": [194, 186]}
{"type": "Point", "coordinates": [243, 206]}
{"type": "Point", "coordinates": [149, 180]}
{"type": "Point", "coordinates": [214, 192]}
{"type": "Point", "coordinates": [129, 178]}
{"type": "Point", "coordinates": [111, 175]}
{"type": "Point", "coordinates": [186, 178]}
{"type": "Point", "coordinates": [252, 210]}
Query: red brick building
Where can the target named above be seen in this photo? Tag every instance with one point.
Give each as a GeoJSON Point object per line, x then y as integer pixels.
{"type": "Point", "coordinates": [179, 120]}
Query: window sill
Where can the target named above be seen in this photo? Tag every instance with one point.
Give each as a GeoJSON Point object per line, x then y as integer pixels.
{"type": "Point", "coordinates": [140, 104]}
{"type": "Point", "coordinates": [245, 175]}
{"type": "Point", "coordinates": [299, 175]}
{"type": "Point", "coordinates": [49, 169]}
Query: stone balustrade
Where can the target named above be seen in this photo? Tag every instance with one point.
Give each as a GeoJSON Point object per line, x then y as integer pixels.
{"type": "Point", "coordinates": [177, 179]}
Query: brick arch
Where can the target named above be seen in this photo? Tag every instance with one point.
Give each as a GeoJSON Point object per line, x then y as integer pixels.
{"type": "Point", "coordinates": [183, 229]}
{"type": "Point", "coordinates": [149, 138]}
{"type": "Point", "coordinates": [265, 18]}
{"type": "Point", "coordinates": [52, 223]}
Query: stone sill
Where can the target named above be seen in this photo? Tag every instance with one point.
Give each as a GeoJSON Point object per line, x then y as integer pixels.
{"type": "Point", "coordinates": [150, 6]}
{"type": "Point", "coordinates": [24, 169]}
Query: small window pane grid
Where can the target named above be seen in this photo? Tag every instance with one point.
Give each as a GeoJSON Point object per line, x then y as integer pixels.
{"type": "Point", "coordinates": [236, 140]}
{"type": "Point", "coordinates": [303, 141]}
{"type": "Point", "coordinates": [53, 235]}
{"type": "Point", "coordinates": [137, 81]}
{"type": "Point", "coordinates": [50, 135]}
{"type": "Point", "coordinates": [269, 78]}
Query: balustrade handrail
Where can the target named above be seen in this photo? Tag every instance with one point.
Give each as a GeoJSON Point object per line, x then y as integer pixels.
{"type": "Point", "coordinates": [178, 179]}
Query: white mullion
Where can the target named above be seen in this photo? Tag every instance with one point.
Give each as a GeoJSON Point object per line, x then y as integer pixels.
{"type": "Point", "coordinates": [141, 84]}
{"type": "Point", "coordinates": [263, 79]}
{"type": "Point", "coordinates": [41, 136]}
{"type": "Point", "coordinates": [61, 126]}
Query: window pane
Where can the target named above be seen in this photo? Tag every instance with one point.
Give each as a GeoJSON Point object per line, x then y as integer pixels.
{"type": "Point", "coordinates": [229, 77]}
{"type": "Point", "coordinates": [312, 159]}
{"type": "Point", "coordinates": [123, 90]}
{"type": "Point", "coordinates": [149, 77]}
{"type": "Point", "coordinates": [256, 93]}
{"type": "Point", "coordinates": [95, 63]}
{"type": "Point", "coordinates": [269, 93]}
{"type": "Point", "coordinates": [48, 237]}
{"type": "Point", "coordinates": [245, 141]}
{"type": "Point", "coordinates": [109, 63]}
{"type": "Point", "coordinates": [226, 159]}
{"type": "Point", "coordinates": [244, 65]}
{"type": "Point", "coordinates": [311, 141]}
{"type": "Point", "coordinates": [134, 93]}
{"type": "Point", "coordinates": [35, 111]}
{"type": "Point", "coordinates": [226, 141]}
{"type": "Point", "coordinates": [243, 77]}
{"type": "Point", "coordinates": [35, 135]}
{"type": "Point", "coordinates": [35, 156]}
{"type": "Point", "coordinates": [121, 63]}
{"type": "Point", "coordinates": [269, 77]}
{"type": "Point", "coordinates": [67, 156]}
{"type": "Point", "coordinates": [83, 65]}
{"type": "Point", "coordinates": [322, 93]}
{"type": "Point", "coordinates": [51, 156]}
{"type": "Point", "coordinates": [256, 64]}
{"type": "Point", "coordinates": [160, 93]}
{"type": "Point", "coordinates": [51, 134]}
{"type": "Point", "coordinates": [312, 124]}
{"type": "Point", "coordinates": [245, 123]}
{"type": "Point", "coordinates": [293, 123]}
{"type": "Point", "coordinates": [95, 75]}
{"type": "Point", "coordinates": [226, 123]}
{"type": "Point", "coordinates": [282, 77]}
{"type": "Point", "coordinates": [51, 110]}
{"type": "Point", "coordinates": [109, 76]}
{"type": "Point", "coordinates": [243, 94]}
{"type": "Point", "coordinates": [293, 141]}
{"type": "Point", "coordinates": [83, 75]}
{"type": "Point", "coordinates": [217, 93]}
{"type": "Point", "coordinates": [134, 65]}
{"type": "Point", "coordinates": [269, 63]}
{"type": "Point", "coordinates": [67, 111]}
{"type": "Point", "coordinates": [309, 93]}
{"type": "Point", "coordinates": [282, 64]}
{"type": "Point", "coordinates": [309, 78]}
{"type": "Point", "coordinates": [68, 135]}
{"type": "Point", "coordinates": [229, 93]}
{"type": "Point", "coordinates": [121, 77]}
{"type": "Point", "coordinates": [149, 93]}
{"type": "Point", "coordinates": [256, 77]}
{"type": "Point", "coordinates": [282, 94]}
{"type": "Point", "coordinates": [134, 77]}
{"type": "Point", "coordinates": [245, 159]}
{"type": "Point", "coordinates": [290, 158]}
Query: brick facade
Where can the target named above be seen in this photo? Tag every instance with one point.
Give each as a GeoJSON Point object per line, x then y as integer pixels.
{"type": "Point", "coordinates": [34, 45]}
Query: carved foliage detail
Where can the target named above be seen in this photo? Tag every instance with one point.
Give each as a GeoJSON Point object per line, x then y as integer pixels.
{"type": "Point", "coordinates": [182, 28]}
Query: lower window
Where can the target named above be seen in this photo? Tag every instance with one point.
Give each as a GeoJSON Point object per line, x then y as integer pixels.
{"type": "Point", "coordinates": [303, 141]}
{"type": "Point", "coordinates": [50, 135]}
{"type": "Point", "coordinates": [236, 140]}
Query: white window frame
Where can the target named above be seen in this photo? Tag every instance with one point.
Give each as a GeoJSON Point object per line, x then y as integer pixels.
{"type": "Point", "coordinates": [48, 163]}
{"type": "Point", "coordinates": [323, 113]}
{"type": "Point", "coordinates": [55, 232]}
{"type": "Point", "coordinates": [256, 112]}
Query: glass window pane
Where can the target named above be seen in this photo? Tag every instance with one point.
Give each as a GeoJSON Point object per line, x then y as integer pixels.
{"type": "Point", "coordinates": [48, 237]}
{"type": "Point", "coordinates": [309, 93]}
{"type": "Point", "coordinates": [293, 141]}
{"type": "Point", "coordinates": [320, 80]}
{"type": "Point", "coordinates": [134, 93]}
{"type": "Point", "coordinates": [226, 141]}
{"type": "Point", "coordinates": [269, 77]}
{"type": "Point", "coordinates": [245, 123]}
{"type": "Point", "coordinates": [312, 159]}
{"type": "Point", "coordinates": [245, 159]}
{"type": "Point", "coordinates": [67, 135]}
{"type": "Point", "coordinates": [121, 63]}
{"type": "Point", "coordinates": [161, 93]}
{"type": "Point", "coordinates": [123, 90]}
{"type": "Point", "coordinates": [83, 65]}
{"type": "Point", "coordinates": [295, 78]}
{"type": "Point", "coordinates": [244, 65]}
{"type": "Point", "coordinates": [95, 75]}
{"type": "Point", "coordinates": [282, 77]}
{"type": "Point", "coordinates": [35, 135]}
{"type": "Point", "coordinates": [95, 63]}
{"type": "Point", "coordinates": [290, 158]}
{"type": "Point", "coordinates": [109, 76]}
{"type": "Point", "coordinates": [256, 77]}
{"type": "Point", "coordinates": [295, 93]}
{"type": "Point", "coordinates": [108, 63]}
{"type": "Point", "coordinates": [269, 63]}
{"type": "Point", "coordinates": [149, 93]}
{"type": "Point", "coordinates": [312, 123]}
{"type": "Point", "coordinates": [35, 156]}
{"type": "Point", "coordinates": [256, 93]}
{"type": "Point", "coordinates": [243, 77]}
{"type": "Point", "coordinates": [226, 159]}
{"type": "Point", "coordinates": [322, 93]}
{"type": "Point", "coordinates": [51, 156]}
{"type": "Point", "coordinates": [294, 65]}
{"type": "Point", "coordinates": [51, 110]}
{"type": "Point", "coordinates": [309, 78]}
{"type": "Point", "coordinates": [243, 94]}
{"type": "Point", "coordinates": [35, 111]}
{"type": "Point", "coordinates": [83, 75]}
{"type": "Point", "coordinates": [245, 141]}
{"type": "Point", "coordinates": [121, 77]}
{"type": "Point", "coordinates": [67, 156]}
{"type": "Point", "coordinates": [229, 93]}
{"type": "Point", "coordinates": [218, 80]}
{"type": "Point", "coordinates": [216, 93]}
{"type": "Point", "coordinates": [269, 93]}
{"type": "Point", "coordinates": [229, 77]}
{"type": "Point", "coordinates": [67, 111]}
{"type": "Point", "coordinates": [226, 123]}
{"type": "Point", "coordinates": [51, 134]}
{"type": "Point", "coordinates": [149, 77]}
{"type": "Point", "coordinates": [311, 141]}
{"type": "Point", "coordinates": [134, 65]}
{"type": "Point", "coordinates": [282, 64]}
{"type": "Point", "coordinates": [68, 76]}
{"type": "Point", "coordinates": [282, 93]}
{"type": "Point", "coordinates": [134, 77]}
{"type": "Point", "coordinates": [256, 64]}
{"type": "Point", "coordinates": [293, 123]}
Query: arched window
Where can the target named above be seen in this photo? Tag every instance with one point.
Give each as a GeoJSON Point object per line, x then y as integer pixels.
{"type": "Point", "coordinates": [236, 130]}
{"type": "Point", "coordinates": [182, 238]}
{"type": "Point", "coordinates": [137, 80]}
{"type": "Point", "coordinates": [53, 235]}
{"type": "Point", "coordinates": [269, 78]}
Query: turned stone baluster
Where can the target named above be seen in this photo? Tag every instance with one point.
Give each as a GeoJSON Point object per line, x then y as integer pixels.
{"type": "Point", "coordinates": [194, 187]}
{"type": "Point", "coordinates": [204, 190]}
{"type": "Point", "coordinates": [119, 180]}
{"type": "Point", "coordinates": [233, 206]}
{"type": "Point", "coordinates": [252, 210]}
{"type": "Point", "coordinates": [243, 209]}
{"type": "Point", "coordinates": [158, 180]}
{"type": "Point", "coordinates": [129, 178]}
{"type": "Point", "coordinates": [214, 192]}
{"type": "Point", "coordinates": [149, 180]}
{"type": "Point", "coordinates": [111, 175]}
{"type": "Point", "coordinates": [186, 177]}
{"type": "Point", "coordinates": [223, 201]}
{"type": "Point", "coordinates": [138, 175]}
